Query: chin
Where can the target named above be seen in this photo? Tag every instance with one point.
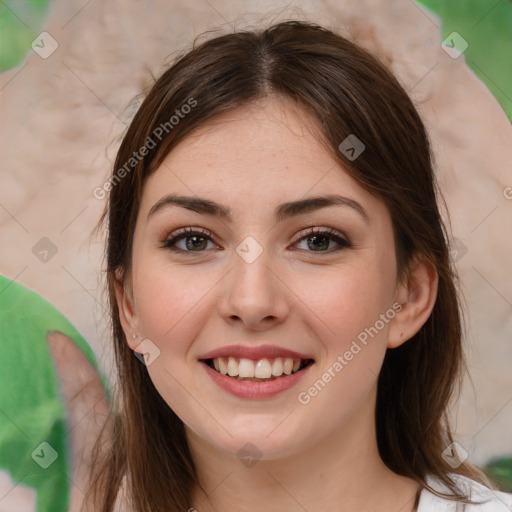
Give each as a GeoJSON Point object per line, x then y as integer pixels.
{"type": "Point", "coordinates": [259, 444]}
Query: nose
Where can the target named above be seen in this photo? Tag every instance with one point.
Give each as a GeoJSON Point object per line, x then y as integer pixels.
{"type": "Point", "coordinates": [254, 295]}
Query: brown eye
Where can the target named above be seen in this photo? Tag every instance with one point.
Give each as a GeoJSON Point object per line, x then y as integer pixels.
{"type": "Point", "coordinates": [319, 240]}
{"type": "Point", "coordinates": [195, 240]}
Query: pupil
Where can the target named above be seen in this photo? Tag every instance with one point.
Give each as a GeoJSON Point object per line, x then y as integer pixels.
{"type": "Point", "coordinates": [195, 243]}
{"type": "Point", "coordinates": [316, 237]}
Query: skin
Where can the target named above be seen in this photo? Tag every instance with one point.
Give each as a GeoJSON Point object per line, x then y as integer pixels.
{"type": "Point", "coordinates": [316, 456]}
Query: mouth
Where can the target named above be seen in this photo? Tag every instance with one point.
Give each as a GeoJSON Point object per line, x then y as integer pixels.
{"type": "Point", "coordinates": [260, 370]}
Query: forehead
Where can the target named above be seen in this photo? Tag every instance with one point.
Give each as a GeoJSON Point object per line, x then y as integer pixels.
{"type": "Point", "coordinates": [263, 153]}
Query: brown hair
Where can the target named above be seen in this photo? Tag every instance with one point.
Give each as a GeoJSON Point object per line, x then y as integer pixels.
{"type": "Point", "coordinates": [348, 91]}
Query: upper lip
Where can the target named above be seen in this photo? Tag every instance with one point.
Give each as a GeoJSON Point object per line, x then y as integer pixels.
{"type": "Point", "coordinates": [259, 352]}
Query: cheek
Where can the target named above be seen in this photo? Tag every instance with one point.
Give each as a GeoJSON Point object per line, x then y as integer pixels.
{"type": "Point", "coordinates": [345, 311]}
{"type": "Point", "coordinates": [166, 297]}
{"type": "Point", "coordinates": [349, 310]}
{"type": "Point", "coordinates": [343, 301]}
{"type": "Point", "coordinates": [168, 302]}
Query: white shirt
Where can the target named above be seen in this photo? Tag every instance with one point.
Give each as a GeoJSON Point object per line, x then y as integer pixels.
{"type": "Point", "coordinates": [494, 501]}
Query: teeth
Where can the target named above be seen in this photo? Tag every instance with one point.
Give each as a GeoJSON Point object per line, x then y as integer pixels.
{"type": "Point", "coordinates": [287, 366]}
{"type": "Point", "coordinates": [222, 365]}
{"type": "Point", "coordinates": [246, 368]}
{"type": "Point", "coordinates": [277, 367]}
{"type": "Point", "coordinates": [262, 369]}
{"type": "Point", "coordinates": [232, 367]}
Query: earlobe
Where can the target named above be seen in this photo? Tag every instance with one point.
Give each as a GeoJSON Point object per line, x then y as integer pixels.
{"type": "Point", "coordinates": [125, 304]}
{"type": "Point", "coordinates": [417, 297]}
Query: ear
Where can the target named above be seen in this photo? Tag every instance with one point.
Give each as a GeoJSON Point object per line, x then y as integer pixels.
{"type": "Point", "coordinates": [127, 313]}
{"type": "Point", "coordinates": [417, 295]}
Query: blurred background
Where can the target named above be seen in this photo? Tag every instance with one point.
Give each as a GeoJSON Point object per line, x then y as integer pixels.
{"type": "Point", "coordinates": [486, 25]}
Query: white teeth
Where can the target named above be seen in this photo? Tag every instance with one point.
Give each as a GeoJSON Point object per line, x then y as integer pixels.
{"type": "Point", "coordinates": [222, 365]}
{"type": "Point", "coordinates": [232, 367]}
{"type": "Point", "coordinates": [261, 369]}
{"type": "Point", "coordinates": [246, 368]}
{"type": "Point", "coordinates": [277, 367]}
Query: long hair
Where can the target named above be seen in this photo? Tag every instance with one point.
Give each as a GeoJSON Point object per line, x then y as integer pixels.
{"type": "Point", "coordinates": [347, 91]}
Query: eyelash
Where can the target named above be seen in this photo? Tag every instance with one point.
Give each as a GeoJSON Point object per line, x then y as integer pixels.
{"type": "Point", "coordinates": [331, 233]}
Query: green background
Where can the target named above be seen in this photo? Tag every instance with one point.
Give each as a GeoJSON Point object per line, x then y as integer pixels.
{"type": "Point", "coordinates": [32, 409]}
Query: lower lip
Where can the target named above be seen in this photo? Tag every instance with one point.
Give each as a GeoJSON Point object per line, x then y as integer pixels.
{"type": "Point", "coordinates": [255, 390]}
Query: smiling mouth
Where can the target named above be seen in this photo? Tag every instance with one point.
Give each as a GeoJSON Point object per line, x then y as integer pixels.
{"type": "Point", "coordinates": [261, 370]}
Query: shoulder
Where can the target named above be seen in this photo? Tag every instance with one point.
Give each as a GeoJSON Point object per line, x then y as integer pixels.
{"type": "Point", "coordinates": [487, 500]}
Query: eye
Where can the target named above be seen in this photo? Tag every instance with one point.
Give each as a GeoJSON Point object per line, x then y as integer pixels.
{"type": "Point", "coordinates": [196, 240]}
{"type": "Point", "coordinates": [321, 238]}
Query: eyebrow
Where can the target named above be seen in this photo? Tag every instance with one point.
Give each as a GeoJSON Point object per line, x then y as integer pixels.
{"type": "Point", "coordinates": [282, 212]}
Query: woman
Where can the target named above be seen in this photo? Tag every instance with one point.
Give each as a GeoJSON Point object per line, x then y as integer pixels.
{"type": "Point", "coordinates": [277, 262]}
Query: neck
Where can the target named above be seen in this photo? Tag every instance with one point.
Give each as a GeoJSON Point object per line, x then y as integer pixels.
{"type": "Point", "coordinates": [343, 472]}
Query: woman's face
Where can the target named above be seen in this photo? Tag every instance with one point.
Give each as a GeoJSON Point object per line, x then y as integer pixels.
{"type": "Point", "coordinates": [260, 278]}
